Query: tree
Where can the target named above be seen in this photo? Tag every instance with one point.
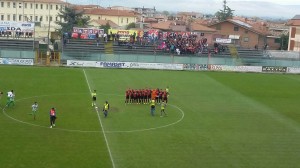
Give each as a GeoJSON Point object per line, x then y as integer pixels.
{"type": "Point", "coordinates": [130, 25]}
{"type": "Point", "coordinates": [225, 13]}
{"type": "Point", "coordinates": [284, 39]}
{"type": "Point", "coordinates": [71, 18]}
{"type": "Point", "coordinates": [166, 13]}
{"type": "Point", "coordinates": [105, 27]}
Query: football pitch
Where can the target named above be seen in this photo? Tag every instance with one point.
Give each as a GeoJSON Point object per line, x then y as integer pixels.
{"type": "Point", "coordinates": [215, 119]}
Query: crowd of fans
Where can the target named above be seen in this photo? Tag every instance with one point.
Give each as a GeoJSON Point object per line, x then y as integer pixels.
{"type": "Point", "coordinates": [185, 45]}
{"type": "Point", "coordinates": [174, 43]}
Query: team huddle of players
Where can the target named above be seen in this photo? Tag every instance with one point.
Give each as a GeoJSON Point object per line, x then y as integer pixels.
{"type": "Point", "coordinates": [144, 96]}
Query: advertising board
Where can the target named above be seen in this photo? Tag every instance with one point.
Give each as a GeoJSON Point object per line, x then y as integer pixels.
{"type": "Point", "coordinates": [13, 61]}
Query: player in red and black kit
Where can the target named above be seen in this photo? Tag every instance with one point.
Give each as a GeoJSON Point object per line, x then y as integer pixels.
{"type": "Point", "coordinates": [144, 96]}
{"type": "Point", "coordinates": [165, 96]}
{"type": "Point", "coordinates": [137, 96]}
{"type": "Point", "coordinates": [160, 93]}
{"type": "Point", "coordinates": [131, 96]}
{"type": "Point", "coordinates": [134, 96]}
{"type": "Point", "coordinates": [127, 96]}
{"type": "Point", "coordinates": [156, 95]}
{"type": "Point", "coordinates": [148, 95]}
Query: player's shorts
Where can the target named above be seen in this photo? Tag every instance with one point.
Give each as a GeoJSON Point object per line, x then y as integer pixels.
{"type": "Point", "coordinates": [94, 98]}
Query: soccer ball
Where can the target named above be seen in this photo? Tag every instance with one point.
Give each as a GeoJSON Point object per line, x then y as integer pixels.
{"type": "Point", "coordinates": [96, 107]}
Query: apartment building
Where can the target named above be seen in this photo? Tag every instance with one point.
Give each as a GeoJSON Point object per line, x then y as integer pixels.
{"type": "Point", "coordinates": [42, 12]}
{"type": "Point", "coordinates": [294, 35]}
{"type": "Point", "coordinates": [121, 17]}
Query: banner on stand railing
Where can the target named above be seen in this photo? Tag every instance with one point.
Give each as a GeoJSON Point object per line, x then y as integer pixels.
{"type": "Point", "coordinates": [14, 61]}
{"type": "Point", "coordinates": [274, 69]}
{"type": "Point", "coordinates": [76, 63]}
{"type": "Point", "coordinates": [133, 65]}
{"type": "Point", "coordinates": [195, 67]}
{"type": "Point", "coordinates": [235, 68]}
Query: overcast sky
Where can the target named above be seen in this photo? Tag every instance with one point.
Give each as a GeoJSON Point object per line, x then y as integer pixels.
{"type": "Point", "coordinates": [242, 7]}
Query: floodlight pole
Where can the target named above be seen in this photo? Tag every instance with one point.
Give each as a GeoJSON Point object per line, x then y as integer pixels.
{"type": "Point", "coordinates": [48, 27]}
{"type": "Point", "coordinates": [33, 20]}
{"type": "Point", "coordinates": [48, 54]}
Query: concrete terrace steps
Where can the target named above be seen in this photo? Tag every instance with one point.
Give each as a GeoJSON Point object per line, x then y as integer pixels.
{"type": "Point", "coordinates": [250, 53]}
{"type": "Point", "coordinates": [18, 44]}
{"type": "Point", "coordinates": [83, 45]}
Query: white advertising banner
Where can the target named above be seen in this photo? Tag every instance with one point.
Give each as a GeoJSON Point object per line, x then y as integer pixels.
{"type": "Point", "coordinates": [13, 61]}
{"type": "Point", "coordinates": [76, 63]}
{"type": "Point", "coordinates": [16, 26]}
{"type": "Point", "coordinates": [140, 65]}
{"type": "Point", "coordinates": [293, 70]}
{"type": "Point", "coordinates": [235, 68]}
{"type": "Point", "coordinates": [225, 41]}
{"type": "Point", "coordinates": [134, 65]}
{"type": "Point", "coordinates": [163, 66]}
{"type": "Point", "coordinates": [103, 64]}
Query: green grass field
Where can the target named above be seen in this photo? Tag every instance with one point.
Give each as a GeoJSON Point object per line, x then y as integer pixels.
{"type": "Point", "coordinates": [215, 120]}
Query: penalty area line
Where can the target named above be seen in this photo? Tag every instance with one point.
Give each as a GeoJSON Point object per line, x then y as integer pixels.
{"type": "Point", "coordinates": [100, 121]}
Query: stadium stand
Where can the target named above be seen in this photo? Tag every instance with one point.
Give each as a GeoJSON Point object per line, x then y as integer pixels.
{"type": "Point", "coordinates": [80, 45]}
{"type": "Point", "coordinates": [18, 44]}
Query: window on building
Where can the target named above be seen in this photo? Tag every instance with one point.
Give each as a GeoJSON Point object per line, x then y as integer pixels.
{"type": "Point", "coordinates": [47, 19]}
{"type": "Point", "coordinates": [25, 5]}
{"type": "Point", "coordinates": [121, 20]}
{"type": "Point", "coordinates": [20, 17]}
{"type": "Point", "coordinates": [246, 31]}
{"type": "Point", "coordinates": [41, 6]}
{"type": "Point", "coordinates": [14, 5]}
{"type": "Point", "coordinates": [56, 7]}
{"type": "Point", "coordinates": [51, 7]}
{"type": "Point", "coordinates": [127, 20]}
{"type": "Point", "coordinates": [218, 27]}
{"type": "Point", "coordinates": [8, 17]}
{"type": "Point", "coordinates": [47, 6]}
{"type": "Point", "coordinates": [41, 18]}
{"type": "Point", "coordinates": [31, 5]}
{"type": "Point", "coordinates": [8, 4]}
{"type": "Point", "coordinates": [56, 18]}
{"type": "Point", "coordinates": [14, 17]}
{"type": "Point", "coordinates": [31, 18]}
{"type": "Point", "coordinates": [36, 6]}
{"type": "Point", "coordinates": [50, 18]}
{"type": "Point", "coordinates": [20, 5]}
{"type": "Point", "coordinates": [246, 39]}
{"type": "Point", "coordinates": [36, 19]}
{"type": "Point", "coordinates": [99, 18]}
{"type": "Point", "coordinates": [2, 17]}
{"type": "Point", "coordinates": [236, 28]}
{"type": "Point", "coordinates": [2, 4]}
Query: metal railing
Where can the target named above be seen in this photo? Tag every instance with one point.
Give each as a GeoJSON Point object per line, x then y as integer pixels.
{"type": "Point", "coordinates": [162, 58]}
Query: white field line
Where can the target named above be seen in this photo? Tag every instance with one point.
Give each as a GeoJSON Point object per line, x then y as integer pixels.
{"type": "Point", "coordinates": [87, 131]}
{"type": "Point", "coordinates": [100, 121]}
